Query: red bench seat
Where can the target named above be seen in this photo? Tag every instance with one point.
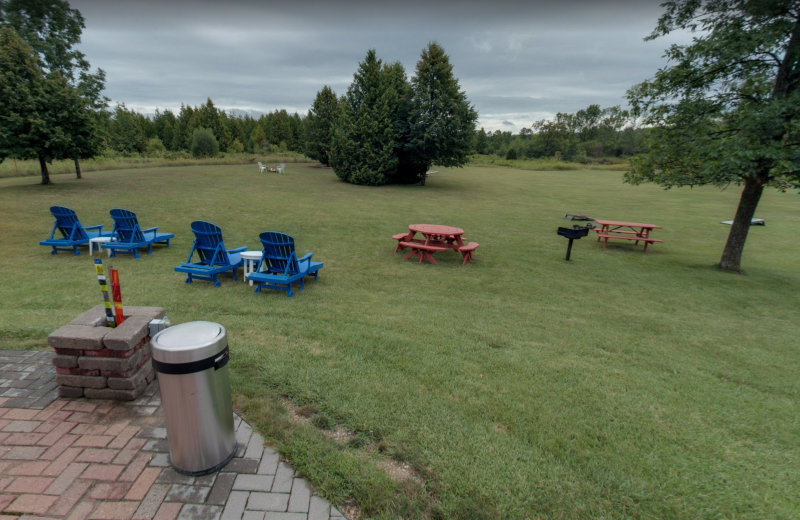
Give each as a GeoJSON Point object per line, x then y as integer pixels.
{"type": "Point", "coordinates": [466, 251]}
{"type": "Point", "coordinates": [638, 239]}
{"type": "Point", "coordinates": [422, 251]}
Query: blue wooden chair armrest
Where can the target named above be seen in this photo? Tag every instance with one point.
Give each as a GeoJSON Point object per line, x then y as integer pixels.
{"type": "Point", "coordinates": [306, 259]}
{"type": "Point", "coordinates": [237, 250]}
{"type": "Point", "coordinates": [150, 230]}
{"type": "Point", "coordinates": [94, 227]}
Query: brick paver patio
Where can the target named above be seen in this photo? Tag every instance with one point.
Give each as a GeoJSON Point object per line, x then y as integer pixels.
{"type": "Point", "coordinates": [81, 459]}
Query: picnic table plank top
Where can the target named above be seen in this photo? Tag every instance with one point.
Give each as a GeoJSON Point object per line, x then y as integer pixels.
{"type": "Point", "coordinates": [433, 229]}
{"type": "Point", "coordinates": [627, 224]}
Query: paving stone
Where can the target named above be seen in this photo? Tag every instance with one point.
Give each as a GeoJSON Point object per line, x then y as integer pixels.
{"type": "Point", "coordinates": [97, 455]}
{"type": "Point", "coordinates": [114, 510]}
{"type": "Point", "coordinates": [29, 485]}
{"type": "Point", "coordinates": [283, 479]}
{"type": "Point", "coordinates": [269, 462]}
{"type": "Point", "coordinates": [94, 317]}
{"type": "Point", "coordinates": [151, 502]}
{"type": "Point", "coordinates": [160, 460]}
{"type": "Point", "coordinates": [301, 495]}
{"type": "Point", "coordinates": [206, 480]}
{"type": "Point", "coordinates": [22, 426]}
{"type": "Point", "coordinates": [153, 433]}
{"type": "Point", "coordinates": [128, 335]}
{"type": "Point", "coordinates": [24, 453]}
{"type": "Point", "coordinates": [168, 511]}
{"type": "Point", "coordinates": [319, 509]}
{"type": "Point", "coordinates": [235, 506]}
{"type": "Point", "coordinates": [68, 499]}
{"type": "Point", "coordinates": [221, 489]}
{"type": "Point", "coordinates": [249, 466]}
{"type": "Point", "coordinates": [187, 494]}
{"type": "Point", "coordinates": [109, 491]}
{"type": "Point", "coordinates": [285, 516]}
{"type": "Point", "coordinates": [102, 472]}
{"type": "Point", "coordinates": [114, 393]}
{"type": "Point", "coordinates": [170, 476]}
{"type": "Point", "coordinates": [159, 445]}
{"type": "Point", "coordinates": [148, 312]}
{"type": "Point", "coordinates": [253, 483]}
{"type": "Point", "coordinates": [82, 381]}
{"type": "Point", "coordinates": [69, 391]}
{"type": "Point", "coordinates": [268, 501]}
{"type": "Point", "coordinates": [255, 447]}
{"type": "Point", "coordinates": [253, 515]}
{"type": "Point", "coordinates": [35, 504]}
{"type": "Point", "coordinates": [78, 337]}
{"type": "Point", "coordinates": [66, 478]}
{"type": "Point", "coordinates": [335, 513]}
{"type": "Point", "coordinates": [93, 441]}
{"type": "Point", "coordinates": [199, 512]}
{"type": "Point", "coordinates": [135, 468]}
{"type": "Point", "coordinates": [65, 361]}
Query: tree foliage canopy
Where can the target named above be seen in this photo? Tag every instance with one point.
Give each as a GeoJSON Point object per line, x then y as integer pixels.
{"type": "Point", "coordinates": [392, 130]}
{"type": "Point", "coordinates": [727, 110]}
{"type": "Point", "coordinates": [319, 125]}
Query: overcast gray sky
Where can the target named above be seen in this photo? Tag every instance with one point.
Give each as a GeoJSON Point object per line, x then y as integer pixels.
{"type": "Point", "coordinates": [517, 61]}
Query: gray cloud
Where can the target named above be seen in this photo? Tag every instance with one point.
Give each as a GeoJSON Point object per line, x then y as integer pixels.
{"type": "Point", "coordinates": [517, 62]}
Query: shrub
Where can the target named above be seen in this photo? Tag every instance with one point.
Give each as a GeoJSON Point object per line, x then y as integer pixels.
{"type": "Point", "coordinates": [155, 148]}
{"type": "Point", "coordinates": [204, 144]}
{"type": "Point", "coordinates": [236, 147]}
{"type": "Point", "coordinates": [512, 154]}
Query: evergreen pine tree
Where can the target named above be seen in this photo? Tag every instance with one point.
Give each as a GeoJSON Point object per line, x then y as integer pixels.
{"type": "Point", "coordinates": [441, 120]}
{"type": "Point", "coordinates": [364, 142]}
{"type": "Point", "coordinates": [319, 125]}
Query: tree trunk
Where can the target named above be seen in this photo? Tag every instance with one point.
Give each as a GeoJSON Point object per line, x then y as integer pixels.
{"type": "Point", "coordinates": [78, 169]}
{"type": "Point", "coordinates": [732, 255]}
{"type": "Point", "coordinates": [45, 173]}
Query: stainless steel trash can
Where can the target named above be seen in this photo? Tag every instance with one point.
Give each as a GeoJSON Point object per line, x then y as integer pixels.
{"type": "Point", "coordinates": [191, 361]}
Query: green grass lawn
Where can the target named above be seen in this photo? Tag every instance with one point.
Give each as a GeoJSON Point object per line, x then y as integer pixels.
{"type": "Point", "coordinates": [620, 385]}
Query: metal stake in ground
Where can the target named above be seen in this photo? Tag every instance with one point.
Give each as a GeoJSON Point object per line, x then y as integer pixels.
{"type": "Point", "coordinates": [101, 277]}
{"type": "Point", "coordinates": [116, 294]}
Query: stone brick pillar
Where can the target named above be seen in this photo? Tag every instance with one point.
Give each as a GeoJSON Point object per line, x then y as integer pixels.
{"type": "Point", "coordinates": [99, 362]}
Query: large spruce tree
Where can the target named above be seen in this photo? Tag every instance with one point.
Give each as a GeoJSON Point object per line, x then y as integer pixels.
{"type": "Point", "coordinates": [365, 139]}
{"type": "Point", "coordinates": [441, 119]}
{"type": "Point", "coordinates": [390, 130]}
{"type": "Point", "coordinates": [319, 125]}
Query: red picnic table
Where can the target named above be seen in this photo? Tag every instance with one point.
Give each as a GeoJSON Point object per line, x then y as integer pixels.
{"type": "Point", "coordinates": [626, 231]}
{"type": "Point", "coordinates": [436, 238]}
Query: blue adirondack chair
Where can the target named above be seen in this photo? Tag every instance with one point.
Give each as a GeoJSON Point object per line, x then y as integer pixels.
{"type": "Point", "coordinates": [279, 266]}
{"type": "Point", "coordinates": [214, 258]}
{"type": "Point", "coordinates": [73, 234]}
{"type": "Point", "coordinates": [130, 236]}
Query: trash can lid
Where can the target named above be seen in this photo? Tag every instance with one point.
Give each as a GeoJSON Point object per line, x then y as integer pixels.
{"type": "Point", "coordinates": [187, 342]}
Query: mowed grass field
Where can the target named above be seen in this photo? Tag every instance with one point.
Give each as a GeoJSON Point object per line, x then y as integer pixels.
{"type": "Point", "coordinates": [621, 385]}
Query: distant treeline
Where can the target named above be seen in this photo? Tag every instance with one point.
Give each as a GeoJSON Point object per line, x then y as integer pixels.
{"type": "Point", "coordinates": [128, 132]}
{"type": "Point", "coordinates": [588, 134]}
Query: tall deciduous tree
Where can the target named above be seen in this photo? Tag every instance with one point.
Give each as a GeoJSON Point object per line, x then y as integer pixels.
{"type": "Point", "coordinates": [441, 119]}
{"type": "Point", "coordinates": [25, 116]}
{"type": "Point", "coordinates": [727, 109]}
{"type": "Point", "coordinates": [319, 125]}
{"type": "Point", "coordinates": [53, 29]}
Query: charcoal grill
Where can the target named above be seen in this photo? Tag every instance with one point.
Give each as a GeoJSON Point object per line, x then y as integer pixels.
{"type": "Point", "coordinates": [573, 233]}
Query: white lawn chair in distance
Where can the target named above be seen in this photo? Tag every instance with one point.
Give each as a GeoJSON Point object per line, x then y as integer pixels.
{"type": "Point", "coordinates": [280, 168]}
{"type": "Point", "coordinates": [261, 167]}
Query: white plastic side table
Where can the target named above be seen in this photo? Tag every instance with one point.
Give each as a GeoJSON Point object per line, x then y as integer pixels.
{"type": "Point", "coordinates": [99, 241]}
{"type": "Point", "coordinates": [251, 259]}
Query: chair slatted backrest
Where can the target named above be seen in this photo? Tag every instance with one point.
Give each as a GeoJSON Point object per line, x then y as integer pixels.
{"type": "Point", "coordinates": [208, 241]}
{"type": "Point", "coordinates": [127, 226]}
{"type": "Point", "coordinates": [67, 221]}
{"type": "Point", "coordinates": [279, 251]}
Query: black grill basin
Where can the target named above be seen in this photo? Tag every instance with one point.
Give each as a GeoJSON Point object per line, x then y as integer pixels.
{"type": "Point", "coordinates": [575, 232]}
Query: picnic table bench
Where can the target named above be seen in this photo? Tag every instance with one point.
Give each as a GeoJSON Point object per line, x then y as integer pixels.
{"type": "Point", "coordinates": [437, 238]}
{"type": "Point", "coordinates": [635, 231]}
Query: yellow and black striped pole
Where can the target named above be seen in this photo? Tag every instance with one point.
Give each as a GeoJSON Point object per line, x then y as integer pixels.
{"type": "Point", "coordinates": [101, 277]}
